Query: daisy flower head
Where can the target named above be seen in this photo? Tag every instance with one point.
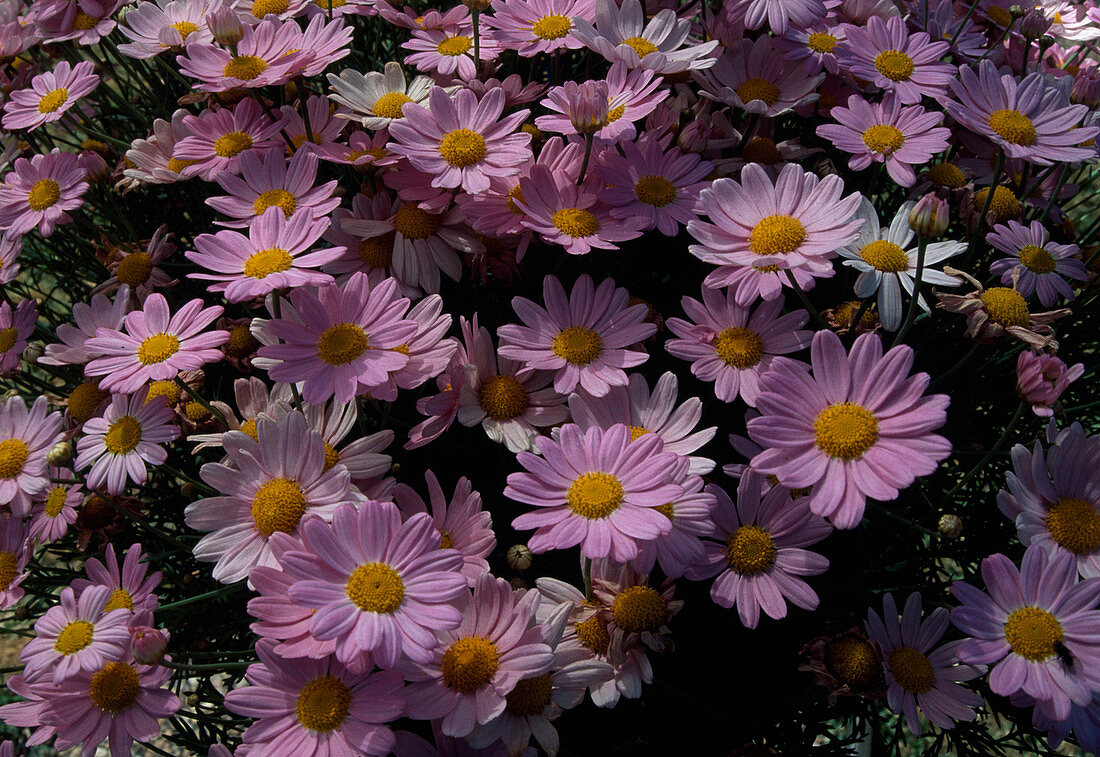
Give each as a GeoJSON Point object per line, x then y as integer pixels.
{"type": "Point", "coordinates": [99, 312]}
{"type": "Point", "coordinates": [1022, 620]}
{"type": "Point", "coordinates": [321, 706]}
{"type": "Point", "coordinates": [374, 98]}
{"type": "Point", "coordinates": [886, 132]}
{"type": "Point", "coordinates": [859, 427]}
{"type": "Point", "coordinates": [1035, 264]}
{"type": "Point", "coordinates": [16, 327]}
{"type": "Point", "coordinates": [158, 26]}
{"type": "Point", "coordinates": [991, 313]}
{"type": "Point", "coordinates": [734, 346]}
{"type": "Point", "coordinates": [26, 437]}
{"type": "Point", "coordinates": [1041, 379]}
{"type": "Point", "coordinates": [583, 338]}
{"type": "Point", "coordinates": [632, 94]}
{"type": "Point", "coordinates": [49, 96]}
{"type": "Point", "coordinates": [621, 33]}
{"type": "Point", "coordinates": [265, 55]}
{"type": "Point", "coordinates": [596, 488]}
{"type": "Point", "coordinates": [885, 54]}
{"type": "Point", "coordinates": [40, 192]}
{"type": "Point", "coordinates": [85, 22]}
{"type": "Point", "coordinates": [275, 480]}
{"type": "Point", "coordinates": [691, 517]}
{"type": "Point", "coordinates": [886, 265]}
{"type": "Point", "coordinates": [255, 11]}
{"type": "Point", "coordinates": [918, 673]}
{"type": "Point", "coordinates": [476, 665]}
{"type": "Point", "coordinates": [531, 27]}
{"type": "Point", "coordinates": [796, 223]}
{"type": "Point", "coordinates": [138, 267]}
{"type": "Point", "coordinates": [54, 509]}
{"type": "Point", "coordinates": [76, 634]}
{"type": "Point", "coordinates": [150, 161]}
{"type": "Point", "coordinates": [1029, 119]}
{"type": "Point", "coordinates": [448, 51]}
{"type": "Point", "coordinates": [117, 446]}
{"type": "Point", "coordinates": [272, 181]}
{"type": "Point", "coordinates": [219, 137]}
{"type": "Point", "coordinates": [345, 342]}
{"type": "Point", "coordinates": [756, 77]}
{"type": "Point", "coordinates": [155, 345]}
{"type": "Point", "coordinates": [814, 44]}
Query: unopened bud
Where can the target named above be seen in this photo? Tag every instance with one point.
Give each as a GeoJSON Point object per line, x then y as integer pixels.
{"type": "Point", "coordinates": [226, 27]}
{"type": "Point", "coordinates": [1016, 10]}
{"type": "Point", "coordinates": [189, 490]}
{"type": "Point", "coordinates": [33, 351]}
{"type": "Point", "coordinates": [929, 217]}
{"type": "Point", "coordinates": [1034, 24]}
{"type": "Point", "coordinates": [951, 526]}
{"type": "Point", "coordinates": [519, 557]}
{"type": "Point", "coordinates": [517, 584]}
{"type": "Point", "coordinates": [587, 105]}
{"type": "Point", "coordinates": [59, 454]}
{"type": "Point", "coordinates": [148, 644]}
{"type": "Point", "coordinates": [95, 167]}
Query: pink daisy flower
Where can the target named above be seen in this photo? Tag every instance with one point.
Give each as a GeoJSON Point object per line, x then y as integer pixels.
{"type": "Point", "coordinates": [54, 508]}
{"type": "Point", "coordinates": [40, 191]}
{"type": "Point", "coordinates": [100, 312]}
{"type": "Point", "coordinates": [596, 489]}
{"type": "Point", "coordinates": [377, 585]}
{"type": "Point", "coordinates": [255, 11]}
{"type": "Point", "coordinates": [886, 133]}
{"type": "Point", "coordinates": [26, 438]}
{"type": "Point", "coordinates": [15, 554]}
{"type": "Point", "coordinates": [49, 96]}
{"type": "Point", "coordinates": [622, 34]}
{"type": "Point", "coordinates": [218, 137]}
{"type": "Point", "coordinates": [154, 28]}
{"type": "Point", "coordinates": [117, 446]}
{"type": "Point", "coordinates": [375, 98]}
{"type": "Point", "coordinates": [363, 150]}
{"type": "Point", "coordinates": [272, 181]}
{"type": "Point", "coordinates": [139, 267]}
{"type": "Point", "coordinates": [265, 55]}
{"type": "Point", "coordinates": [16, 327]}
{"type": "Point", "coordinates": [462, 141]}
{"type": "Point", "coordinates": [322, 132]}
{"type": "Point", "coordinates": [150, 161]}
{"type": "Point", "coordinates": [887, 55]}
{"type": "Point", "coordinates": [814, 44]}
{"type": "Point", "coordinates": [756, 77]}
{"type": "Point", "coordinates": [85, 21]}
{"type": "Point", "coordinates": [631, 96]}
{"type": "Point", "coordinates": [322, 43]}
{"type": "Point", "coordinates": [858, 428]}
{"type": "Point", "coordinates": [11, 247]}
{"type": "Point", "coordinates": [345, 343]}
{"type": "Point", "coordinates": [531, 27]}
{"type": "Point", "coordinates": [275, 480]}
{"type": "Point", "coordinates": [733, 346]}
{"type": "Point", "coordinates": [131, 584]}
{"type": "Point", "coordinates": [449, 51]}
{"type": "Point", "coordinates": [584, 338]}
{"type": "Point", "coordinates": [277, 617]}
{"type": "Point", "coordinates": [1035, 264]}
{"type": "Point", "coordinates": [682, 547]}
{"type": "Point", "coordinates": [155, 345]}
{"type": "Point", "coordinates": [362, 456]}
{"type": "Point", "coordinates": [796, 223]}
{"type": "Point", "coordinates": [1028, 119]}
{"type": "Point", "coordinates": [274, 255]}
{"type": "Point", "coordinates": [916, 674]}
{"type": "Point", "coordinates": [1041, 379]}
{"type": "Point", "coordinates": [476, 665]}
{"type": "Point", "coordinates": [429, 350]}
{"type": "Point", "coordinates": [761, 557]}
{"type": "Point", "coordinates": [304, 706]}
{"type": "Point", "coordinates": [74, 635]}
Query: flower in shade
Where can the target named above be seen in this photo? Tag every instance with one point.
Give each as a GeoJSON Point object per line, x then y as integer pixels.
{"type": "Point", "coordinates": [796, 223]}
{"type": "Point", "coordinates": [76, 634]}
{"type": "Point", "coordinates": [814, 44]}
{"type": "Point", "coordinates": [691, 517]}
{"type": "Point", "coordinates": [272, 181]}
{"type": "Point", "coordinates": [374, 98]}
{"type": "Point", "coordinates": [885, 54]}
{"type": "Point", "coordinates": [54, 509]}
{"type": "Point", "coordinates": [150, 160]}
{"type": "Point", "coordinates": [858, 427]}
{"type": "Point", "coordinates": [15, 553]}
{"type": "Point", "coordinates": [264, 55]}
{"type": "Point", "coordinates": [756, 77]}
{"type": "Point", "coordinates": [916, 674]}
{"type": "Point", "coordinates": [275, 480]}
{"type": "Point", "coordinates": [49, 95]}
{"type": "Point", "coordinates": [597, 489]}
{"type": "Point", "coordinates": [16, 327]}
{"type": "Point", "coordinates": [155, 345]}
{"type": "Point", "coordinates": [26, 437]}
{"type": "Point", "coordinates": [1041, 378]}
{"type": "Point", "coordinates": [316, 706]}
{"type": "Point", "coordinates": [584, 337]}
{"type": "Point", "coordinates": [377, 585]}
{"type": "Point", "coordinates": [1027, 118]}
{"type": "Point", "coordinates": [531, 27]}
{"type": "Point", "coordinates": [996, 311]}
{"type": "Point", "coordinates": [631, 96]}
{"type": "Point", "coordinates": [88, 317]}
{"type": "Point", "coordinates": [1036, 626]}
{"type": "Point", "coordinates": [886, 132]}
{"type": "Point", "coordinates": [156, 27]}
{"type": "Point", "coordinates": [138, 267]}
{"type": "Point", "coordinates": [345, 343]}
{"type": "Point", "coordinates": [40, 191]}
{"type": "Point", "coordinates": [11, 247]}
{"type": "Point", "coordinates": [449, 50]}
{"type": "Point", "coordinates": [1034, 263]}
{"type": "Point", "coordinates": [621, 33]}
{"type": "Point", "coordinates": [476, 665]}
{"type": "Point", "coordinates": [131, 584]}
{"type": "Point", "coordinates": [218, 138]}
{"type": "Point", "coordinates": [733, 346]}
{"type": "Point", "coordinates": [117, 446]}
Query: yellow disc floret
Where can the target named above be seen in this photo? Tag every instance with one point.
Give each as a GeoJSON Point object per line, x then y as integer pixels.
{"type": "Point", "coordinates": [1012, 126]}
{"type": "Point", "coordinates": [639, 608]}
{"type": "Point", "coordinates": [157, 348]}
{"type": "Point", "coordinates": [1074, 525]}
{"type": "Point", "coordinates": [470, 663]}
{"type": "Point", "coordinates": [342, 343]}
{"type": "Point", "coordinates": [263, 263]}
{"type": "Point", "coordinates": [114, 688]}
{"type": "Point", "coordinates": [911, 669]}
{"type": "Point", "coordinates": [750, 550]}
{"type": "Point", "coordinates": [123, 435]}
{"type": "Point", "coordinates": [776, 234]}
{"type": "Point", "coordinates": [278, 505]}
{"type": "Point", "coordinates": [323, 704]}
{"type": "Point", "coordinates": [845, 430]}
{"type": "Point", "coordinates": [575, 222]}
{"type": "Point", "coordinates": [1033, 633]}
{"type": "Point", "coordinates": [883, 138]}
{"type": "Point", "coordinates": [758, 89]}
{"type": "Point", "coordinates": [595, 495]}
{"type": "Point", "coordinates": [502, 397]}
{"type": "Point", "coordinates": [376, 587]}
{"type": "Point", "coordinates": [1006, 307]}
{"type": "Point", "coordinates": [13, 455]}
{"type": "Point", "coordinates": [739, 347]}
{"type": "Point", "coordinates": [885, 256]}
{"type": "Point", "coordinates": [578, 345]}
{"type": "Point", "coordinates": [462, 148]}
{"type": "Point", "coordinates": [44, 194]}
{"type": "Point", "coordinates": [894, 65]}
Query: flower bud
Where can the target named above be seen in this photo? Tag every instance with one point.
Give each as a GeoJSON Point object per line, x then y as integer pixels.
{"type": "Point", "coordinates": [587, 105]}
{"type": "Point", "coordinates": [519, 557]}
{"type": "Point", "coordinates": [148, 644]}
{"type": "Point", "coordinates": [930, 216]}
{"type": "Point", "coordinates": [1034, 24]}
{"type": "Point", "coordinates": [60, 453]}
{"type": "Point", "coordinates": [226, 27]}
{"type": "Point", "coordinates": [1041, 379]}
{"type": "Point", "coordinates": [33, 351]}
{"type": "Point", "coordinates": [951, 526]}
{"type": "Point", "coordinates": [1086, 87]}
{"type": "Point", "coordinates": [95, 167]}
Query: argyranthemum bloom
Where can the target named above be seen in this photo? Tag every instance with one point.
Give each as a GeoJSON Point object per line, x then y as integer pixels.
{"type": "Point", "coordinates": [859, 427]}
{"type": "Point", "coordinates": [76, 634]}
{"type": "Point", "coordinates": [760, 557]}
{"type": "Point", "coordinates": [26, 437]}
{"type": "Point", "coordinates": [374, 98]}
{"type": "Point", "coordinates": [996, 311]}
{"type": "Point", "coordinates": [40, 191]}
{"type": "Point", "coordinates": [276, 479]}
{"type": "Point", "coordinates": [265, 55]}
{"type": "Point", "coordinates": [631, 96]}
{"type": "Point", "coordinates": [1028, 119]}
{"type": "Point", "coordinates": [159, 26]}
{"type": "Point", "coordinates": [274, 255]}
{"type": "Point", "coordinates": [621, 33]}
{"type": "Point", "coordinates": [1035, 264]}
{"type": "Point", "coordinates": [887, 133]}
{"type": "Point", "coordinates": [885, 54]}
{"type": "Point", "coordinates": [477, 664]}
{"type": "Point", "coordinates": [449, 50]}
{"type": "Point", "coordinates": [797, 223]}
{"type": "Point", "coordinates": [531, 27]}
{"type": "Point", "coordinates": [16, 327]}
{"type": "Point", "coordinates": [1022, 623]}
{"type": "Point", "coordinates": [272, 181]}
{"type": "Point", "coordinates": [461, 140]}
{"type": "Point", "coordinates": [584, 337]}
{"type": "Point", "coordinates": [155, 345]}
{"type": "Point", "coordinates": [597, 489]}
{"type": "Point", "coordinates": [15, 552]}
{"type": "Point", "coordinates": [118, 446]}
{"type": "Point", "coordinates": [218, 137]}
{"type": "Point", "coordinates": [138, 267]}
{"type": "Point", "coordinates": [886, 265]}
{"type": "Point", "coordinates": [317, 706]}
{"type": "Point", "coordinates": [691, 517]}
{"type": "Point", "coordinates": [100, 312]}
{"type": "Point", "coordinates": [733, 346]}
{"type": "Point", "coordinates": [756, 77]}
{"type": "Point", "coordinates": [345, 342]}
{"type": "Point", "coordinates": [150, 160]}
{"type": "Point", "coordinates": [54, 508]}
{"type": "Point", "coordinates": [916, 674]}
{"type": "Point", "coordinates": [49, 95]}
{"type": "Point", "coordinates": [1041, 378]}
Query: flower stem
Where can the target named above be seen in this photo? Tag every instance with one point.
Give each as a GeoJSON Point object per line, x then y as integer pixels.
{"type": "Point", "coordinates": [985, 208]}
{"type": "Point", "coordinates": [588, 139]}
{"type": "Point", "coordinates": [201, 400]}
{"type": "Point", "coordinates": [914, 304]}
{"type": "Point", "coordinates": [991, 453]}
{"type": "Point", "coordinates": [816, 316]}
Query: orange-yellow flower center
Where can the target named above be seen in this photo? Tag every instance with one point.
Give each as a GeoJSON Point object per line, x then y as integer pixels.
{"type": "Point", "coordinates": [53, 100]}
{"type": "Point", "coordinates": [1012, 126]}
{"type": "Point", "coordinates": [389, 105]}
{"type": "Point", "coordinates": [894, 65]}
{"type": "Point", "coordinates": [261, 264]}
{"type": "Point", "coordinates": [576, 222]}
{"type": "Point", "coordinates": [244, 67]}
{"type": "Point", "coordinates": [13, 455]}
{"type": "Point", "coordinates": [883, 138]}
{"type": "Point", "coordinates": [761, 150]}
{"type": "Point", "coordinates": [1037, 259]}
{"type": "Point", "coordinates": [946, 175]}
{"type": "Point", "coordinates": [595, 495]}
{"type": "Point", "coordinates": [8, 569]}
{"type": "Point", "coordinates": [593, 634]}
{"type": "Point", "coordinates": [278, 505]}
{"type": "Point", "coordinates": [462, 148]}
{"type": "Point", "coordinates": [750, 550]}
{"type": "Point", "coordinates": [530, 696]}
{"type": "Point", "coordinates": [377, 252]}
{"type": "Point", "coordinates": [885, 256]}
{"type": "Point", "coordinates": [231, 144]}
{"type": "Point", "coordinates": [911, 669]}
{"type": "Point", "coordinates": [640, 45]}
{"type": "Point", "coordinates": [554, 26]}
{"type": "Point", "coordinates": [122, 436]}
{"type": "Point", "coordinates": [822, 42]}
{"type": "Point", "coordinates": [454, 46]}
{"type": "Point", "coordinates": [470, 663]}
{"type": "Point", "coordinates": [134, 269]}
{"type": "Point", "coordinates": [1033, 633]}
{"type": "Point", "coordinates": [376, 587]}
{"type": "Point", "coordinates": [1074, 525]}
{"type": "Point", "coordinates": [758, 89]}
{"type": "Point", "coordinates": [185, 28]}
{"type": "Point", "coordinates": [655, 190]}
{"type": "Point", "coordinates": [578, 345]}
{"type": "Point", "coordinates": [323, 704]}
{"type": "Point", "coordinates": [114, 688]}
{"type": "Point", "coordinates": [413, 223]}
{"type": "Point", "coordinates": [342, 343]}
{"type": "Point", "coordinates": [44, 193]}
{"type": "Point", "coordinates": [776, 234]}
{"type": "Point", "coordinates": [845, 430]}
{"type": "Point", "coordinates": [1005, 206]}
{"type": "Point", "coordinates": [639, 608]}
{"type": "Point", "coordinates": [120, 600]}
{"type": "Point", "coordinates": [1006, 307]}
{"type": "Point", "coordinates": [157, 348]}
{"type": "Point", "coordinates": [852, 660]}
{"type": "Point", "coordinates": [85, 399]}
{"type": "Point", "coordinates": [739, 347]}
{"type": "Point", "coordinates": [502, 397]}
{"type": "Point", "coordinates": [76, 635]}
{"type": "Point", "coordinates": [275, 198]}
{"type": "Point", "coordinates": [55, 501]}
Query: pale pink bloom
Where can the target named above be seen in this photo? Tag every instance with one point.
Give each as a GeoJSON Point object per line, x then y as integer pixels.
{"type": "Point", "coordinates": [682, 547]}
{"type": "Point", "coordinates": [450, 50]}
{"type": "Point", "coordinates": [1041, 379]}
{"type": "Point", "coordinates": [26, 437]}
{"type": "Point", "coordinates": [152, 158]}
{"type": "Point", "coordinates": [411, 18]}
{"type": "Point", "coordinates": [277, 617]}
{"type": "Point", "coordinates": [255, 11]}
{"type": "Point", "coordinates": [131, 584]}
{"type": "Point", "coordinates": [54, 508]}
{"type": "Point", "coordinates": [322, 43]}
{"type": "Point", "coordinates": [621, 33]}
{"type": "Point", "coordinates": [885, 54]}
{"type": "Point", "coordinates": [362, 150]}
{"type": "Point", "coordinates": [84, 21]}
{"type": "Point", "coordinates": [49, 96]}
{"type": "Point", "coordinates": [40, 192]}
{"type": "Point", "coordinates": [252, 397]}
{"type": "Point", "coordinates": [16, 327]}
{"type": "Point", "coordinates": [631, 96]}
{"type": "Point", "coordinates": [218, 137]}
{"type": "Point", "coordinates": [157, 26]}
{"type": "Point", "coordinates": [415, 187]}
{"type": "Point", "coordinates": [756, 77]}
{"type": "Point", "coordinates": [101, 312]}
{"type": "Point", "coordinates": [429, 349]}
{"type": "Point", "coordinates": [322, 132]}
{"type": "Point", "coordinates": [76, 634]}
{"type": "Point", "coordinates": [362, 456]}
{"type": "Point", "coordinates": [780, 14]}
{"type": "Point", "coordinates": [29, 712]}
{"type": "Point", "coordinates": [265, 55]}
{"type": "Point", "coordinates": [117, 446]}
{"type": "Point", "coordinates": [531, 27]}
{"type": "Point", "coordinates": [271, 181]}
{"type": "Point", "coordinates": [637, 614]}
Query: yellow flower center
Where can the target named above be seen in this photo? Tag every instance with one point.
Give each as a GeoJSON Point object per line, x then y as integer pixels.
{"type": "Point", "coordinates": [761, 150]}
{"type": "Point", "coordinates": [389, 105]}
{"type": "Point", "coordinates": [946, 175]}
{"type": "Point", "coordinates": [614, 114]}
{"type": "Point", "coordinates": [377, 252]}
{"type": "Point", "coordinates": [249, 428]}
{"type": "Point", "coordinates": [776, 235]}
{"type": "Point", "coordinates": [185, 28]}
{"type": "Point", "coordinates": [114, 688]}
{"type": "Point", "coordinates": [595, 495]}
{"type": "Point", "coordinates": [637, 432]}
{"type": "Point", "coordinates": [261, 8]}
{"type": "Point", "coordinates": [123, 435]}
{"type": "Point", "coordinates": [232, 144]}
{"type": "Point", "coordinates": [120, 599]}
{"type": "Point", "coordinates": [911, 669]}
{"type": "Point", "coordinates": [195, 412]}
{"type": "Point", "coordinates": [578, 345]}
{"type": "Point", "coordinates": [323, 704]}
{"type": "Point", "coordinates": [1033, 633]}
{"type": "Point", "coordinates": [76, 635]}
{"type": "Point", "coordinates": [1074, 525]}
{"type": "Point", "coordinates": [739, 347]}
{"type": "Point", "coordinates": [453, 46]}
{"type": "Point", "coordinates": [530, 696]}
{"type": "Point", "coordinates": [84, 400]}
{"type": "Point", "coordinates": [593, 634]}
{"type": "Point", "coordinates": [554, 26]}
{"type": "Point", "coordinates": [274, 260]}
{"type": "Point", "coordinates": [51, 101]}
{"type": "Point", "coordinates": [885, 256]}
{"type": "Point", "coordinates": [502, 398]}
{"type": "Point", "coordinates": [1037, 259]}
{"type": "Point", "coordinates": [170, 390]}
{"type": "Point", "coordinates": [515, 193]}
{"type": "Point", "coordinates": [640, 45]}
{"type": "Point", "coordinates": [845, 430]}
{"type": "Point", "coordinates": [175, 165]}
{"type": "Point", "coordinates": [655, 190]}
{"type": "Point", "coordinates": [342, 343]}
{"type": "Point", "coordinates": [273, 198]}
{"type": "Point", "coordinates": [83, 21]}
{"type": "Point", "coordinates": [470, 663]}
{"type": "Point", "coordinates": [330, 4]}
{"type": "Point", "coordinates": [852, 660]}
{"type": "Point", "coordinates": [1005, 206]}
{"type": "Point", "coordinates": [750, 550]}
{"type": "Point", "coordinates": [134, 269]}
{"type": "Point", "coordinates": [999, 15]}
{"type": "Point", "coordinates": [44, 193]}
{"type": "Point", "coordinates": [55, 501]}
{"type": "Point", "coordinates": [376, 587]}
{"type": "Point", "coordinates": [758, 89]}
{"type": "Point", "coordinates": [278, 505]}
{"type": "Point", "coordinates": [822, 42]}
{"type": "Point", "coordinates": [8, 563]}
{"type": "Point", "coordinates": [244, 67]}
{"type": "Point", "coordinates": [1006, 307]}
{"type": "Point", "coordinates": [883, 138]}
{"type": "Point", "coordinates": [1013, 126]}
{"type": "Point", "coordinates": [157, 348]}
{"type": "Point", "coordinates": [575, 222]}
{"type": "Point", "coordinates": [639, 608]}
{"type": "Point", "coordinates": [462, 148]}
{"type": "Point", "coordinates": [894, 65]}
{"type": "Point", "coordinates": [241, 342]}
{"type": "Point", "coordinates": [413, 223]}
{"type": "Point", "coordinates": [13, 454]}
{"type": "Point", "coordinates": [8, 338]}
{"type": "Point", "coordinates": [332, 456]}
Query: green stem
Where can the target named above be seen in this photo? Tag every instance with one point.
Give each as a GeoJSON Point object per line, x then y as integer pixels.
{"type": "Point", "coordinates": [204, 667]}
{"type": "Point", "coordinates": [588, 139]}
{"type": "Point", "coordinates": [816, 316]}
{"type": "Point", "coordinates": [985, 208]}
{"type": "Point", "coordinates": [991, 453]}
{"type": "Point", "coordinates": [212, 594]}
{"type": "Point", "coordinates": [914, 303]}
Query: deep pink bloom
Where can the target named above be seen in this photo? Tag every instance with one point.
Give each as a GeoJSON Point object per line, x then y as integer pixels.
{"type": "Point", "coordinates": [40, 191]}
{"type": "Point", "coordinates": [449, 50]}
{"type": "Point", "coordinates": [531, 27]}
{"type": "Point", "coordinates": [266, 54]}
{"type": "Point", "coordinates": [131, 584]}
{"type": "Point", "coordinates": [272, 181]}
{"type": "Point", "coordinates": [49, 95]}
{"type": "Point", "coordinates": [54, 508]}
{"type": "Point", "coordinates": [219, 137]}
